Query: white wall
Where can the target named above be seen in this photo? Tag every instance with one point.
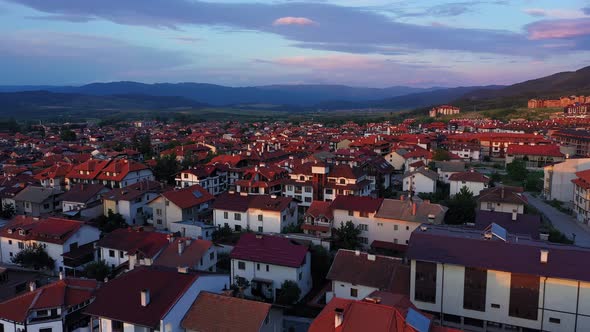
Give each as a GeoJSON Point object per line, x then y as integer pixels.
{"type": "Point", "coordinates": [474, 187]}
{"type": "Point", "coordinates": [342, 290]}
{"type": "Point", "coordinates": [558, 178]}
{"type": "Point", "coordinates": [419, 183]}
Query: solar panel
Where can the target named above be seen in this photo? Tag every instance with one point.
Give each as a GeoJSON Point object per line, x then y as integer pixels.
{"type": "Point", "coordinates": [499, 231]}
{"type": "Point", "coordinates": [417, 320]}
{"type": "Point", "coordinates": [197, 194]}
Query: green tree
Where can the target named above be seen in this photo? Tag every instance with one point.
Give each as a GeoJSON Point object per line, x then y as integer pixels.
{"type": "Point", "coordinates": [166, 169]}
{"type": "Point", "coordinates": [111, 221]}
{"type": "Point", "coordinates": [97, 270]}
{"type": "Point", "coordinates": [441, 155]}
{"type": "Point", "coordinates": [347, 236]}
{"type": "Point", "coordinates": [495, 178]}
{"type": "Point", "coordinates": [289, 293]}
{"type": "Point", "coordinates": [321, 260]}
{"type": "Point", "coordinates": [293, 228]}
{"type": "Point", "coordinates": [222, 233]}
{"type": "Point", "coordinates": [8, 211]}
{"type": "Point", "coordinates": [517, 170]}
{"type": "Point", "coordinates": [34, 257]}
{"type": "Point", "coordinates": [461, 208]}
{"type": "Point", "coordinates": [68, 135]}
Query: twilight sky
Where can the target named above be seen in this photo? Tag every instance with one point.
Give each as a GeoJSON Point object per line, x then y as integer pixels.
{"type": "Point", "coordinates": [373, 43]}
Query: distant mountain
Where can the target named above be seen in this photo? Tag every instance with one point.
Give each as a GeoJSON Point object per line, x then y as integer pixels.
{"type": "Point", "coordinates": [301, 95]}
{"type": "Point", "coordinates": [553, 86]}
{"type": "Point", "coordinates": [39, 102]}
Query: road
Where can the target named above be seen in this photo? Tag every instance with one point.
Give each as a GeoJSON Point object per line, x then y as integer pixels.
{"type": "Point", "coordinates": [563, 222]}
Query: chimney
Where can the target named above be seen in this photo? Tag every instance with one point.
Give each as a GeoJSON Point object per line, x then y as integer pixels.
{"type": "Point", "coordinates": [180, 247]}
{"type": "Point", "coordinates": [544, 256]}
{"type": "Point", "coordinates": [182, 269]}
{"type": "Point", "coordinates": [338, 317]}
{"type": "Point", "coordinates": [145, 297]}
{"type": "Point", "coordinates": [502, 193]}
{"type": "Point", "coordinates": [414, 208]}
{"type": "Point", "coordinates": [61, 275]}
{"type": "Point", "coordinates": [357, 252]}
{"type": "Point", "coordinates": [514, 214]}
{"type": "Point", "coordinates": [32, 286]}
{"type": "Point", "coordinates": [371, 257]}
{"type": "Point", "coordinates": [402, 198]}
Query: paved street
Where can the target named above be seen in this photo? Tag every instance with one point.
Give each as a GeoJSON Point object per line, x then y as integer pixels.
{"type": "Point", "coordinates": [563, 222]}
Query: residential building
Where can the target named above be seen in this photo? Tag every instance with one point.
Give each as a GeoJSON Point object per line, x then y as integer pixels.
{"type": "Point", "coordinates": [190, 203]}
{"type": "Point", "coordinates": [472, 180]}
{"type": "Point", "coordinates": [528, 225]}
{"type": "Point", "coordinates": [259, 213]}
{"type": "Point", "coordinates": [265, 262]}
{"type": "Point", "coordinates": [195, 254]}
{"type": "Point", "coordinates": [36, 201]}
{"type": "Point", "coordinates": [557, 182]}
{"type": "Point", "coordinates": [56, 236]}
{"type": "Point", "coordinates": [579, 139]}
{"type": "Point", "coordinates": [355, 275]}
{"type": "Point", "coordinates": [502, 199]}
{"type": "Point", "coordinates": [132, 201]}
{"type": "Point", "coordinates": [193, 228]}
{"type": "Point", "coordinates": [444, 110]}
{"type": "Point", "coordinates": [113, 173]}
{"type": "Point", "coordinates": [55, 307]}
{"type": "Point", "coordinates": [463, 278]}
{"type": "Point", "coordinates": [84, 200]}
{"type": "Point", "coordinates": [145, 299]}
{"type": "Point", "coordinates": [421, 180]}
{"type": "Point", "coordinates": [54, 176]}
{"type": "Point", "coordinates": [213, 312]}
{"type": "Point", "coordinates": [212, 178]}
{"type": "Point", "coordinates": [318, 219]}
{"type": "Point", "coordinates": [125, 248]}
{"type": "Point", "coordinates": [262, 180]}
{"type": "Point", "coordinates": [535, 157]}
{"type": "Point", "coordinates": [447, 168]}
{"type": "Point", "coordinates": [582, 196]}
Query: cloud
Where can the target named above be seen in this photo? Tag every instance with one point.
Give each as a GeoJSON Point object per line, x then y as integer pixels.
{"type": "Point", "coordinates": [555, 13]}
{"type": "Point", "coordinates": [559, 29]}
{"type": "Point", "coordinates": [68, 18]}
{"type": "Point", "coordinates": [289, 20]}
{"type": "Point", "coordinates": [586, 10]}
{"type": "Point", "coordinates": [187, 39]}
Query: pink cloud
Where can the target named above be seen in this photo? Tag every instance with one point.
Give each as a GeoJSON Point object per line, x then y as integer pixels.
{"type": "Point", "coordinates": [289, 20]}
{"type": "Point", "coordinates": [557, 29]}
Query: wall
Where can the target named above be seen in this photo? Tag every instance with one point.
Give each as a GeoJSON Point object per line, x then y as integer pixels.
{"type": "Point", "coordinates": [474, 187]}
{"type": "Point", "coordinates": [558, 178]}
{"type": "Point", "coordinates": [342, 290]}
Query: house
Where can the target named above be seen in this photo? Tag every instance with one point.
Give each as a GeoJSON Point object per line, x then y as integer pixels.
{"type": "Point", "coordinates": [132, 201]}
{"type": "Point", "coordinates": [190, 203]}
{"type": "Point", "coordinates": [416, 155]}
{"type": "Point", "coordinates": [213, 312]}
{"type": "Point", "coordinates": [359, 210]}
{"type": "Point", "coordinates": [113, 173]}
{"type": "Point", "coordinates": [472, 180]}
{"type": "Point", "coordinates": [199, 255]}
{"type": "Point", "coordinates": [262, 180]}
{"type": "Point", "coordinates": [265, 262]}
{"type": "Point", "coordinates": [355, 275]}
{"type": "Point", "coordinates": [57, 236]}
{"type": "Point", "coordinates": [55, 307]}
{"type": "Point", "coordinates": [318, 219]}
{"type": "Point", "coordinates": [557, 180]}
{"type": "Point", "coordinates": [54, 176]}
{"type": "Point", "coordinates": [192, 228]}
{"type": "Point", "coordinates": [130, 246]}
{"type": "Point", "coordinates": [464, 274]}
{"type": "Point", "coordinates": [421, 180]}
{"type": "Point", "coordinates": [213, 178]}
{"type": "Point", "coordinates": [447, 168]}
{"type": "Point", "coordinates": [260, 213]}
{"type": "Point", "coordinates": [84, 200]}
{"type": "Point", "coordinates": [535, 157]}
{"type": "Point", "coordinates": [396, 159]}
{"type": "Point", "coordinates": [35, 201]}
{"type": "Point", "coordinates": [581, 196]}
{"type": "Point", "coordinates": [150, 298]}
{"type": "Point", "coordinates": [502, 199]}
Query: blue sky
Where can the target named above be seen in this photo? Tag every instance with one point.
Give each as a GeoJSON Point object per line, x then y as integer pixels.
{"type": "Point", "coordinates": [373, 43]}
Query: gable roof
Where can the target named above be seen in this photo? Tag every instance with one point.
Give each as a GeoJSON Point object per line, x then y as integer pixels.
{"type": "Point", "coordinates": [212, 313]}
{"type": "Point", "coordinates": [320, 209]}
{"type": "Point", "coordinates": [469, 177]}
{"type": "Point", "coordinates": [83, 192]}
{"type": "Point", "coordinates": [269, 249]}
{"type": "Point", "coordinates": [356, 203]}
{"type": "Point", "coordinates": [119, 299]}
{"type": "Point", "coordinates": [189, 196]}
{"type": "Point", "coordinates": [241, 203]}
{"type": "Point", "coordinates": [192, 252]}
{"type": "Point", "coordinates": [404, 210]}
{"type": "Point", "coordinates": [502, 194]}
{"type": "Point", "coordinates": [134, 240]}
{"type": "Point", "coordinates": [525, 224]}
{"type": "Point", "coordinates": [36, 194]}
{"type": "Point", "coordinates": [547, 150]}
{"type": "Point", "coordinates": [49, 230]}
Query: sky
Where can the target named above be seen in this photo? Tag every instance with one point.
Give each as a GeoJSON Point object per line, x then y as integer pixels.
{"type": "Point", "coordinates": [372, 43]}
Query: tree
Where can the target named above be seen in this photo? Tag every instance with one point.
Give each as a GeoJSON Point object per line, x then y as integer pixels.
{"type": "Point", "coordinates": [68, 135]}
{"type": "Point", "coordinates": [347, 236]}
{"type": "Point", "coordinates": [166, 169]}
{"type": "Point", "coordinates": [517, 170]}
{"type": "Point", "coordinates": [461, 208]}
{"type": "Point", "coordinates": [495, 178]}
{"type": "Point", "coordinates": [289, 293]}
{"type": "Point", "coordinates": [293, 228]}
{"type": "Point", "coordinates": [34, 257]}
{"type": "Point", "coordinates": [97, 270]}
{"type": "Point", "coordinates": [441, 155]}
{"type": "Point", "coordinates": [8, 211]}
{"type": "Point", "coordinates": [321, 260]}
{"type": "Point", "coordinates": [222, 233]}
{"type": "Point", "coordinates": [111, 221]}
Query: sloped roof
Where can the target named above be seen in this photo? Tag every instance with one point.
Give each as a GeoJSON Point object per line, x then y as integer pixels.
{"type": "Point", "coordinates": [189, 196]}
{"type": "Point", "coordinates": [133, 240]}
{"type": "Point", "coordinates": [357, 203]}
{"type": "Point", "coordinates": [269, 249]}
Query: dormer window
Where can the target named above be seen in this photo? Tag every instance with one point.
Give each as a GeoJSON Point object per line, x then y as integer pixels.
{"type": "Point", "coordinates": [21, 232]}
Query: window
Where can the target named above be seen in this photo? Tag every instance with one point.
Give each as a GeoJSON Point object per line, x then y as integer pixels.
{"type": "Point", "coordinates": [225, 215]}
{"type": "Point", "coordinates": [241, 265]}
{"type": "Point", "coordinates": [185, 175]}
{"type": "Point", "coordinates": [46, 206]}
{"type": "Point", "coordinates": [354, 292]}
{"type": "Point", "coordinates": [111, 253]}
{"type": "Point", "coordinates": [395, 227]}
{"type": "Point", "coordinates": [260, 217]}
{"type": "Point", "coordinates": [121, 254]}
{"type": "Point", "coordinates": [350, 213]}
{"type": "Point", "coordinates": [158, 212]}
{"type": "Point", "coordinates": [237, 216]}
{"type": "Point", "coordinates": [307, 189]}
{"type": "Point", "coordinates": [554, 320]}
{"type": "Point", "coordinates": [495, 306]}
{"type": "Point", "coordinates": [257, 266]}
{"type": "Point", "coordinates": [474, 294]}
{"type": "Point", "coordinates": [407, 228]}
{"type": "Point", "coordinates": [1, 327]}
{"type": "Point", "coordinates": [363, 240]}
{"type": "Point", "coordinates": [46, 329]}
{"type": "Point", "coordinates": [425, 289]}
{"type": "Point", "coordinates": [212, 255]}
{"type": "Point", "coordinates": [116, 325]}
{"type": "Point", "coordinates": [363, 227]}
{"type": "Point", "coordinates": [21, 245]}
{"type": "Point", "coordinates": [342, 181]}
{"type": "Point", "coordinates": [329, 191]}
{"type": "Point", "coordinates": [267, 268]}
{"type": "Point", "coordinates": [364, 214]}
{"type": "Point", "coordinates": [10, 242]}
{"type": "Point", "coordinates": [307, 199]}
{"type": "Point", "coordinates": [238, 228]}
{"type": "Point", "coordinates": [300, 275]}
{"type": "Point", "coordinates": [260, 229]}
{"type": "Point", "coordinates": [524, 296]}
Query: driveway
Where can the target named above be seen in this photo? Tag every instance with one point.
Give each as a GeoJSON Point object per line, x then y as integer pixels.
{"type": "Point", "coordinates": [563, 222]}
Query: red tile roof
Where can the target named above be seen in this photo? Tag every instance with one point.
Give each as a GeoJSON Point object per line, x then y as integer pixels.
{"type": "Point", "coordinates": [319, 209]}
{"type": "Point", "coordinates": [50, 230]}
{"type": "Point", "coordinates": [118, 169]}
{"type": "Point", "coordinates": [238, 202]}
{"type": "Point", "coordinates": [355, 203]}
{"type": "Point", "coordinates": [189, 196]}
{"type": "Point", "coordinates": [548, 150]}
{"type": "Point", "coordinates": [135, 240]}
{"type": "Point", "coordinates": [215, 313]}
{"type": "Point", "coordinates": [119, 299]}
{"type": "Point", "coordinates": [193, 251]}
{"type": "Point", "coordinates": [469, 177]}
{"type": "Point", "coordinates": [269, 249]}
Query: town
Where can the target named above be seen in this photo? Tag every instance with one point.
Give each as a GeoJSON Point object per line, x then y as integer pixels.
{"type": "Point", "coordinates": [461, 224]}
